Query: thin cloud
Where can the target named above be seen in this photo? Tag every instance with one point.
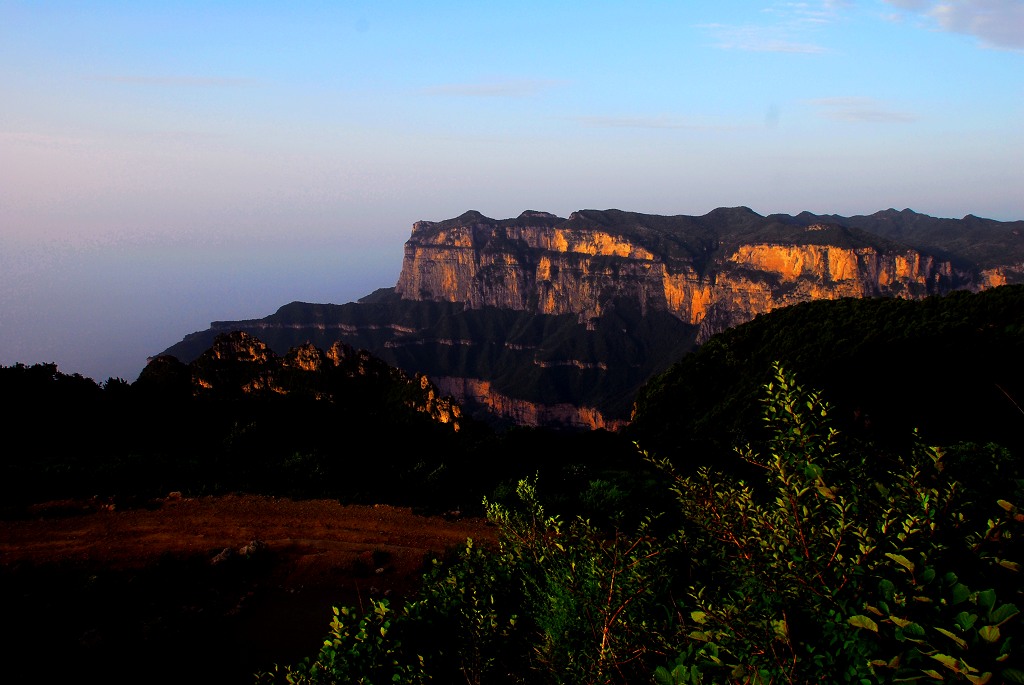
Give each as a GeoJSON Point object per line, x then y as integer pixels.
{"type": "Point", "coordinates": [495, 89]}
{"type": "Point", "coordinates": [794, 13]}
{"type": "Point", "coordinates": [648, 123]}
{"type": "Point", "coordinates": [860, 110]}
{"type": "Point", "coordinates": [790, 28]}
{"type": "Point", "coordinates": [758, 39]}
{"type": "Point", "coordinates": [911, 5]}
{"type": "Point", "coordinates": [996, 23]}
{"type": "Point", "coordinates": [42, 139]}
{"type": "Point", "coordinates": [178, 81]}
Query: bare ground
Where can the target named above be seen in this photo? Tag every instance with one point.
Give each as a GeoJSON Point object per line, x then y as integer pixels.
{"type": "Point", "coordinates": [198, 590]}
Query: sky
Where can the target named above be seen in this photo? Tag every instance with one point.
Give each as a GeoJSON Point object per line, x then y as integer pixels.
{"type": "Point", "coordinates": [165, 165]}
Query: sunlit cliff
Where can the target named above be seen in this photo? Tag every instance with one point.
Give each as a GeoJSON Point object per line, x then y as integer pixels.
{"type": "Point", "coordinates": [543, 265]}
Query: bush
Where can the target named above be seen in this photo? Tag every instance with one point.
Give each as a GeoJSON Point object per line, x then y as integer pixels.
{"type": "Point", "coordinates": [595, 599]}
{"type": "Point", "coordinates": [841, 565]}
{"type": "Point", "coordinates": [458, 630]}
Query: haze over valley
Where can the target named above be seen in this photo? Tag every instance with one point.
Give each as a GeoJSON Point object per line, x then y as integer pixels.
{"type": "Point", "coordinates": [168, 166]}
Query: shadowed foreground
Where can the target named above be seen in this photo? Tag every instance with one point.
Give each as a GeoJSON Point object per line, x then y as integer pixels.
{"type": "Point", "coordinates": [213, 588]}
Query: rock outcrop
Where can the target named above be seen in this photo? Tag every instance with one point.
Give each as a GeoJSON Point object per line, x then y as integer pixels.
{"type": "Point", "coordinates": [239, 365]}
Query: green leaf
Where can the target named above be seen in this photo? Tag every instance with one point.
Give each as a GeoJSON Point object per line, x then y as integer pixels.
{"type": "Point", "coordinates": [987, 599]}
{"type": "Point", "coordinates": [1004, 613]}
{"type": "Point", "coordinates": [989, 633]}
{"type": "Point", "coordinates": [901, 560]}
{"type": "Point", "coordinates": [955, 638]}
{"type": "Point", "coordinates": [964, 620]}
{"type": "Point", "coordinates": [813, 471]}
{"type": "Point", "coordinates": [912, 631]}
{"type": "Point", "coordinates": [1013, 675]}
{"type": "Point", "coordinates": [952, 663]}
{"type": "Point", "coordinates": [860, 621]}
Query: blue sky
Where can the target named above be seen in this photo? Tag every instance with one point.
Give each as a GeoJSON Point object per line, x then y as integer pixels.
{"type": "Point", "coordinates": [163, 165]}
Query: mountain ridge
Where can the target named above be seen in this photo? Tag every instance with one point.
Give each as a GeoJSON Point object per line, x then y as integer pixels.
{"type": "Point", "coordinates": [543, 311]}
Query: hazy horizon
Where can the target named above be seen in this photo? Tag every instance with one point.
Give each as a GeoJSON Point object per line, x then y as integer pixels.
{"type": "Point", "coordinates": [166, 165]}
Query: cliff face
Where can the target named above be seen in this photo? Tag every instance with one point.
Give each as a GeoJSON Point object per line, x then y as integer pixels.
{"type": "Point", "coordinates": [522, 412]}
{"type": "Point", "coordinates": [571, 267]}
{"type": "Point", "coordinates": [757, 278]}
{"type": "Point", "coordinates": [543, 320]}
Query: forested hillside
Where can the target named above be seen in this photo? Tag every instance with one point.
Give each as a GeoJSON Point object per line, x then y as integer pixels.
{"type": "Point", "coordinates": [948, 366]}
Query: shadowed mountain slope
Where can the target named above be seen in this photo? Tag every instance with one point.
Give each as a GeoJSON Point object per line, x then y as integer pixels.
{"type": "Point", "coordinates": [947, 366]}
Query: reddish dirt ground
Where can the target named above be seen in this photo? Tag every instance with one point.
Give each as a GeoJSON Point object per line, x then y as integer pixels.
{"type": "Point", "coordinates": [174, 590]}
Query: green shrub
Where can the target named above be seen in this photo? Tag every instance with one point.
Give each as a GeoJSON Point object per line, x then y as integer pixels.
{"type": "Point", "coordinates": [459, 629]}
{"type": "Point", "coordinates": [358, 649]}
{"type": "Point", "coordinates": [595, 598]}
{"type": "Point", "coordinates": [840, 565]}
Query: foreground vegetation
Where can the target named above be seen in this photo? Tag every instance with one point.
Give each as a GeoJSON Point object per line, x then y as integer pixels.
{"type": "Point", "coordinates": [742, 530]}
{"type": "Point", "coordinates": [840, 563]}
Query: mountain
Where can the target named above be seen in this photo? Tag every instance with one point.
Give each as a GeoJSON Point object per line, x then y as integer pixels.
{"type": "Point", "coordinates": [543, 320]}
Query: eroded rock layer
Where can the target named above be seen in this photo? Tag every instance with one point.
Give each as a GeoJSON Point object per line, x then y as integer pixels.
{"type": "Point", "coordinates": [545, 265]}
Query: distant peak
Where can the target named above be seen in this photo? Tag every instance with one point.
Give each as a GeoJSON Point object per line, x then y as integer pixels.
{"type": "Point", "coordinates": [891, 212]}
{"type": "Point", "coordinates": [472, 215]}
{"type": "Point", "coordinates": [733, 211]}
{"type": "Point", "coordinates": [533, 214]}
{"type": "Point", "coordinates": [603, 217]}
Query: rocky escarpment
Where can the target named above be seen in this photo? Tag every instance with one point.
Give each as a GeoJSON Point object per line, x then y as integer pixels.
{"type": "Point", "coordinates": [523, 412]}
{"type": "Point", "coordinates": [239, 365]}
{"type": "Point", "coordinates": [546, 320]}
{"type": "Point", "coordinates": [713, 279]}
